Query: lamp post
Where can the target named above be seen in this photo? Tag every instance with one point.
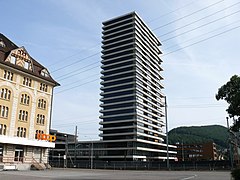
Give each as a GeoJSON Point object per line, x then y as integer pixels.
{"type": "Point", "coordinates": [66, 151]}
{"type": "Point", "coordinates": [230, 145]}
{"type": "Point", "coordinates": [91, 156]}
{"type": "Point", "coordinates": [165, 97]}
{"type": "Point", "coordinates": [182, 152]}
{"type": "Point", "coordinates": [59, 160]}
{"type": "Point", "coordinates": [75, 147]}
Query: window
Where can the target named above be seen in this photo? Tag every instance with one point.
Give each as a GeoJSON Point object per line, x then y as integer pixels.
{"type": "Point", "coordinates": [40, 119]}
{"type": "Point", "coordinates": [21, 132]}
{"type": "Point", "coordinates": [25, 99]}
{"type": "Point", "coordinates": [13, 60]}
{"type": "Point", "coordinates": [8, 75]}
{"type": "Point", "coordinates": [44, 73]}
{"type": "Point", "coordinates": [4, 111]}
{"type": "Point", "coordinates": [26, 64]}
{"type": "Point", "coordinates": [27, 81]}
{"type": "Point", "coordinates": [23, 115]}
{"type": "Point", "coordinates": [5, 94]}
{"type": "Point", "coordinates": [42, 104]}
{"type": "Point", "coordinates": [38, 132]}
{"type": "Point", "coordinates": [3, 129]}
{"type": "Point", "coordinates": [43, 87]}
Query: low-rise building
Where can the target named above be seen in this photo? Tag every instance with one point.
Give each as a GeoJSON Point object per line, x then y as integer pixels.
{"type": "Point", "coordinates": [70, 152]}
{"type": "Point", "coordinates": [197, 152]}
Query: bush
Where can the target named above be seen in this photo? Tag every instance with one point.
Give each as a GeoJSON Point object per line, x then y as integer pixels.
{"type": "Point", "coordinates": [236, 174]}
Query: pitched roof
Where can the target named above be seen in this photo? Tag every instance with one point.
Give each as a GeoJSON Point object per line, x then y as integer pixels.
{"type": "Point", "coordinates": [6, 46]}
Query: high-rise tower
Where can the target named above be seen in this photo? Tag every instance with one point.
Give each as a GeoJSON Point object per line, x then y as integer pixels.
{"type": "Point", "coordinates": [132, 100]}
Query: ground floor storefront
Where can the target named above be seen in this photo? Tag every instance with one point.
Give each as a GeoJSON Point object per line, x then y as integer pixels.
{"type": "Point", "coordinates": [23, 153]}
{"type": "Point", "coordinates": [21, 156]}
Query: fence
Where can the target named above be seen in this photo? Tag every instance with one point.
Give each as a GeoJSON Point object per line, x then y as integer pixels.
{"type": "Point", "coordinates": [138, 165]}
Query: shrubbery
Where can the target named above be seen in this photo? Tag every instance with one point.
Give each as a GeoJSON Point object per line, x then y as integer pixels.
{"type": "Point", "coordinates": [236, 174]}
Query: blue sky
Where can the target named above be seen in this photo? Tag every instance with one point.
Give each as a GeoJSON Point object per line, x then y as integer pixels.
{"type": "Point", "coordinates": [61, 34]}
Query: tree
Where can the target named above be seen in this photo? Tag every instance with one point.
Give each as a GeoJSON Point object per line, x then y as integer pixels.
{"type": "Point", "coordinates": [230, 92]}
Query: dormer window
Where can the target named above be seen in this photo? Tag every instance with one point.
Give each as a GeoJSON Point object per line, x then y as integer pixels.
{"type": "Point", "coordinates": [45, 73]}
{"type": "Point", "coordinates": [20, 58]}
{"type": "Point", "coordinates": [13, 60]}
{"type": "Point", "coordinates": [26, 64]}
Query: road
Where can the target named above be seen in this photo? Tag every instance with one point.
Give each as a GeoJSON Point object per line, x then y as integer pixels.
{"type": "Point", "coordinates": [86, 174]}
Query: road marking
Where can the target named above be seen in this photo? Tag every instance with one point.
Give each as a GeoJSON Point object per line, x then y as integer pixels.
{"type": "Point", "coordinates": [191, 177]}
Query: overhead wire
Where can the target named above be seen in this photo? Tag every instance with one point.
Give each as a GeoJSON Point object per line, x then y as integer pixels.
{"type": "Point", "coordinates": [217, 29]}
{"type": "Point", "coordinates": [173, 11]}
{"type": "Point", "coordinates": [69, 73]}
{"type": "Point", "coordinates": [199, 106]}
{"type": "Point", "coordinates": [99, 52]}
{"type": "Point", "coordinates": [75, 62]}
{"type": "Point", "coordinates": [163, 55]}
{"type": "Point", "coordinates": [76, 117]}
{"type": "Point", "coordinates": [90, 48]}
{"type": "Point", "coordinates": [89, 121]}
{"type": "Point", "coordinates": [178, 28]}
{"type": "Point", "coordinates": [67, 57]}
{"type": "Point", "coordinates": [153, 30]}
{"type": "Point", "coordinates": [171, 22]}
{"type": "Point", "coordinates": [173, 31]}
{"type": "Point", "coordinates": [167, 53]}
{"type": "Point", "coordinates": [193, 22]}
{"type": "Point", "coordinates": [77, 86]}
{"type": "Point", "coordinates": [201, 40]}
{"type": "Point", "coordinates": [69, 76]}
{"type": "Point", "coordinates": [74, 82]}
{"type": "Point", "coordinates": [164, 40]}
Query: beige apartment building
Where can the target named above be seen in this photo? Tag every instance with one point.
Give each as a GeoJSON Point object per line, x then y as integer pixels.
{"type": "Point", "coordinates": [26, 91]}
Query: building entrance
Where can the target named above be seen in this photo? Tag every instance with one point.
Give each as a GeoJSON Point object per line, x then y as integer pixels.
{"type": "Point", "coordinates": [38, 154]}
{"type": "Point", "coordinates": [19, 152]}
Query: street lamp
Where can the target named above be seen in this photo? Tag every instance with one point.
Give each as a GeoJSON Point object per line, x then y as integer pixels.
{"type": "Point", "coordinates": [66, 151]}
{"type": "Point", "coordinates": [91, 162]}
{"type": "Point", "coordinates": [165, 97]}
{"type": "Point", "coordinates": [230, 144]}
{"type": "Point", "coordinates": [92, 155]}
{"type": "Point", "coordinates": [59, 160]}
{"type": "Point", "coordinates": [182, 152]}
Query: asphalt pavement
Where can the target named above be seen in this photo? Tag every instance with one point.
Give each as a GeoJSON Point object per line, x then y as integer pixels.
{"type": "Point", "coordinates": [86, 174]}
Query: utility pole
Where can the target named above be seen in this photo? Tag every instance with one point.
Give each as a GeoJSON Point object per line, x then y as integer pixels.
{"type": "Point", "coordinates": [59, 160]}
{"type": "Point", "coordinates": [66, 151]}
{"type": "Point", "coordinates": [91, 152]}
{"type": "Point", "coordinates": [166, 131]}
{"type": "Point", "coordinates": [92, 156]}
{"type": "Point", "coordinates": [182, 152]}
{"type": "Point", "coordinates": [75, 147]}
{"type": "Point", "coordinates": [230, 144]}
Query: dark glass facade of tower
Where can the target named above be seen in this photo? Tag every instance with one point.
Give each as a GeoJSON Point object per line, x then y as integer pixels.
{"type": "Point", "coordinates": [132, 100]}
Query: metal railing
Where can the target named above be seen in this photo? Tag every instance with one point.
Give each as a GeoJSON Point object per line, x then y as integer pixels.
{"type": "Point", "coordinates": [137, 165]}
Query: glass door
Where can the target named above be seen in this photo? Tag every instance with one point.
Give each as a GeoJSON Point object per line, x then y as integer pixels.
{"type": "Point", "coordinates": [19, 152]}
